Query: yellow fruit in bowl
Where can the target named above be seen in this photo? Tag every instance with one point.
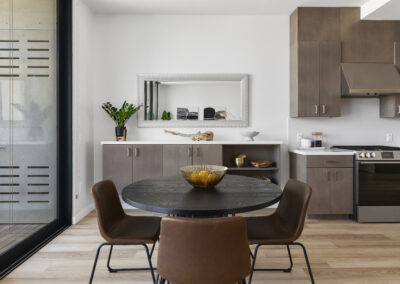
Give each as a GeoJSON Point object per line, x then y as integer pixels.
{"type": "Point", "coordinates": [203, 174]}
{"type": "Point", "coordinates": [211, 178]}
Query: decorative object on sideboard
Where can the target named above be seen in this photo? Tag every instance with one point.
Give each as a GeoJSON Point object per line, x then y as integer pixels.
{"type": "Point", "coordinates": [199, 136]}
{"type": "Point", "coordinates": [166, 115]}
{"type": "Point", "coordinates": [185, 113]}
{"type": "Point", "coordinates": [249, 135]}
{"type": "Point", "coordinates": [239, 160]}
{"type": "Point", "coordinates": [203, 176]}
{"type": "Point", "coordinates": [261, 164]}
{"type": "Point", "coordinates": [120, 117]}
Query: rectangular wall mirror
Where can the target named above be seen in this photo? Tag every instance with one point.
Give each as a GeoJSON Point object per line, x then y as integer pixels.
{"type": "Point", "coordinates": [193, 100]}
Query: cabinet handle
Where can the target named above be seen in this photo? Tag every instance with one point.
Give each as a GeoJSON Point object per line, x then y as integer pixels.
{"type": "Point", "coordinates": [198, 152]}
{"type": "Point", "coordinates": [323, 109]}
{"type": "Point", "coordinates": [128, 151]}
{"type": "Point", "coordinates": [316, 109]}
{"type": "Point", "coordinates": [136, 152]}
{"type": "Point", "coordinates": [398, 109]}
{"type": "Point", "coordinates": [190, 151]}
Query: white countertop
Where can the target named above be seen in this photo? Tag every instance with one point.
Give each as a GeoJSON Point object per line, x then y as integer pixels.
{"type": "Point", "coordinates": [228, 142]}
{"type": "Point", "coordinates": [323, 152]}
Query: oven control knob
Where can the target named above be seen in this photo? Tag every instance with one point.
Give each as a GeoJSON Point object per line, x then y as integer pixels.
{"type": "Point", "coordinates": [373, 155]}
{"type": "Point", "coordinates": [362, 155]}
{"type": "Point", "coordinates": [368, 155]}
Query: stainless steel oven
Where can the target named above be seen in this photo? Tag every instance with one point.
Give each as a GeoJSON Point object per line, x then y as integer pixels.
{"type": "Point", "coordinates": [376, 183]}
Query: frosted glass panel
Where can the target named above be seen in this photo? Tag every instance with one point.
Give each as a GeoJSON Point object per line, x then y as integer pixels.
{"type": "Point", "coordinates": [28, 119]}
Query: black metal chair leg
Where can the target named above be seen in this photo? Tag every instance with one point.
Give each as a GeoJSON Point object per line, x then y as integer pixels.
{"type": "Point", "coordinates": [307, 261]}
{"type": "Point", "coordinates": [95, 261]}
{"type": "Point", "coordinates": [150, 264]}
{"type": "Point", "coordinates": [244, 281]}
{"type": "Point", "coordinates": [253, 263]}
{"type": "Point", "coordinates": [113, 270]}
{"type": "Point", "coordinates": [289, 269]}
{"type": "Point", "coordinates": [291, 260]}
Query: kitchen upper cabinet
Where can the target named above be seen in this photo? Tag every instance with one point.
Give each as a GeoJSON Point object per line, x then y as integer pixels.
{"type": "Point", "coordinates": [117, 164]}
{"type": "Point", "coordinates": [207, 155]}
{"type": "Point", "coordinates": [389, 106]}
{"type": "Point", "coordinates": [315, 79]}
{"type": "Point", "coordinates": [175, 157]}
{"type": "Point", "coordinates": [147, 162]}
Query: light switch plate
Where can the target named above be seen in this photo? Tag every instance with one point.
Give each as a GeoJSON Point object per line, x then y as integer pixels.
{"type": "Point", "coordinates": [389, 137]}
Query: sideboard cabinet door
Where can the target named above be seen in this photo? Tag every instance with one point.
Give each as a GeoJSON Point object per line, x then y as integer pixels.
{"type": "Point", "coordinates": [175, 157]}
{"type": "Point", "coordinates": [207, 155]}
{"type": "Point", "coordinates": [117, 164]}
{"type": "Point", "coordinates": [147, 161]}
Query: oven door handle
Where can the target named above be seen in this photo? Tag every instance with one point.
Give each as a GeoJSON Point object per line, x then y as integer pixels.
{"type": "Point", "coordinates": [380, 163]}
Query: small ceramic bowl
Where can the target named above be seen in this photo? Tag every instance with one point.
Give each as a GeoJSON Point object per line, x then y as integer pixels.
{"type": "Point", "coordinates": [249, 135]}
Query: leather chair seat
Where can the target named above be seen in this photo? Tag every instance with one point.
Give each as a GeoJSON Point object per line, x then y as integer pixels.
{"type": "Point", "coordinates": [268, 230]}
{"type": "Point", "coordinates": [134, 230]}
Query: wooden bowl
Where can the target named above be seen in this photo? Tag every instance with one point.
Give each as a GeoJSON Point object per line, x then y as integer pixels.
{"type": "Point", "coordinates": [261, 164]}
{"type": "Point", "coordinates": [203, 176]}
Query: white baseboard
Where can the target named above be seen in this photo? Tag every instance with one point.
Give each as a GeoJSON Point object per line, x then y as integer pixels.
{"type": "Point", "coordinates": [82, 214]}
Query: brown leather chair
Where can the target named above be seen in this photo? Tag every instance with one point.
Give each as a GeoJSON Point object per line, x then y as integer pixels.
{"type": "Point", "coordinates": [284, 226]}
{"type": "Point", "coordinates": [198, 251]}
{"type": "Point", "coordinates": [117, 228]}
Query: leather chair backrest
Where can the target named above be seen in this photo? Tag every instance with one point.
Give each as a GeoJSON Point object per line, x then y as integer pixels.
{"type": "Point", "coordinates": [212, 251]}
{"type": "Point", "coordinates": [292, 208]}
{"type": "Point", "coordinates": [108, 206]}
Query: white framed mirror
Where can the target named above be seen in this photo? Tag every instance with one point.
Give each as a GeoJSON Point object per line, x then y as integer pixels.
{"type": "Point", "coordinates": [193, 100]}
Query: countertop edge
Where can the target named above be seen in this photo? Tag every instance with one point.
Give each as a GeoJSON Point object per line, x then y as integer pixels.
{"type": "Point", "coordinates": [322, 152]}
{"type": "Point", "coordinates": [184, 142]}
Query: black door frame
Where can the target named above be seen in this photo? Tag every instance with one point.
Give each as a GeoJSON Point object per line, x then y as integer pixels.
{"type": "Point", "coordinates": [21, 251]}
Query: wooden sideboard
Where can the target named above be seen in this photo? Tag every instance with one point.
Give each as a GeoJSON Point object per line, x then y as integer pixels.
{"type": "Point", "coordinates": [130, 161]}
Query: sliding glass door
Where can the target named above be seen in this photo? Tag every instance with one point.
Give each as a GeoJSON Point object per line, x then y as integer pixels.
{"type": "Point", "coordinates": [31, 125]}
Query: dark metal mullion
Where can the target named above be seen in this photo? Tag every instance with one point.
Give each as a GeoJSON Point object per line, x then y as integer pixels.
{"type": "Point", "coordinates": [151, 100]}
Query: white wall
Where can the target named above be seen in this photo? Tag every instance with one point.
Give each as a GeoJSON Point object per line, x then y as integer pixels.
{"type": "Point", "coordinates": [127, 45]}
{"type": "Point", "coordinates": [359, 125]}
{"type": "Point", "coordinates": [82, 111]}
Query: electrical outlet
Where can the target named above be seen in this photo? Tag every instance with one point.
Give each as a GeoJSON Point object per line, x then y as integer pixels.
{"type": "Point", "coordinates": [389, 137]}
{"type": "Point", "coordinates": [76, 196]}
{"type": "Point", "coordinates": [299, 136]}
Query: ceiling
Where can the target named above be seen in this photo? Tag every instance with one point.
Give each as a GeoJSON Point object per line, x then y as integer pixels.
{"type": "Point", "coordinates": [212, 7]}
{"type": "Point", "coordinates": [381, 10]}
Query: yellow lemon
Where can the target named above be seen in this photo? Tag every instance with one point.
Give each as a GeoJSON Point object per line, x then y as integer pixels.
{"type": "Point", "coordinates": [203, 174]}
{"type": "Point", "coordinates": [195, 177]}
{"type": "Point", "coordinates": [211, 178]}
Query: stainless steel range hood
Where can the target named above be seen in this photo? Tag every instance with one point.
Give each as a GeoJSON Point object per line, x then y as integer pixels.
{"type": "Point", "coordinates": [369, 79]}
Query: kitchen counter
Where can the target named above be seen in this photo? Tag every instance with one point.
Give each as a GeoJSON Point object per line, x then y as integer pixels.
{"type": "Point", "coordinates": [189, 142]}
{"type": "Point", "coordinates": [322, 152]}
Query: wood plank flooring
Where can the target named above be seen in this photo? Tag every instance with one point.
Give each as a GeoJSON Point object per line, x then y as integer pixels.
{"type": "Point", "coordinates": [340, 251]}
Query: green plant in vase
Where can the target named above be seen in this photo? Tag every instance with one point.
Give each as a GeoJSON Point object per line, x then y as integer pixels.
{"type": "Point", "coordinates": [120, 117]}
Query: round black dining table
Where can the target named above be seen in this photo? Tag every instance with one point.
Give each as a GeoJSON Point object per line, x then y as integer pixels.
{"type": "Point", "coordinates": [173, 195]}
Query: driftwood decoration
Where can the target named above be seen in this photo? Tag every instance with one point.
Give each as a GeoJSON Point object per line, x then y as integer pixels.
{"type": "Point", "coordinates": [205, 136]}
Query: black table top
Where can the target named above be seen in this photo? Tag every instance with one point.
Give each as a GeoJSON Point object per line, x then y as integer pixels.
{"type": "Point", "coordinates": [173, 195]}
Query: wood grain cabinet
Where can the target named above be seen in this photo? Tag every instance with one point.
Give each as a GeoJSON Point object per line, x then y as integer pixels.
{"type": "Point", "coordinates": [207, 155]}
{"type": "Point", "coordinates": [389, 106]}
{"type": "Point", "coordinates": [177, 156]}
{"type": "Point", "coordinates": [117, 164]}
{"type": "Point", "coordinates": [331, 180]}
{"type": "Point", "coordinates": [315, 55]}
{"type": "Point", "coordinates": [174, 157]}
{"type": "Point", "coordinates": [146, 162]}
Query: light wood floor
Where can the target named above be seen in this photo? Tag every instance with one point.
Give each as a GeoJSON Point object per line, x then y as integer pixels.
{"type": "Point", "coordinates": [340, 251]}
